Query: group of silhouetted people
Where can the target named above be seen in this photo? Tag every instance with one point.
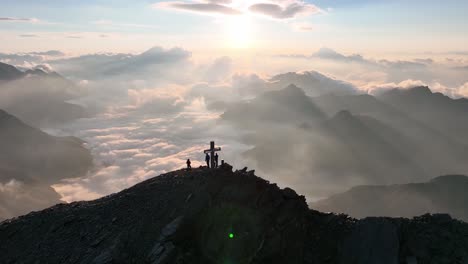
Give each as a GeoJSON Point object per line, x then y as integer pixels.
{"type": "Point", "coordinates": [207, 159]}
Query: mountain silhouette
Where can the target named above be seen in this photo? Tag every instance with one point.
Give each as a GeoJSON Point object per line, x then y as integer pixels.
{"type": "Point", "coordinates": [313, 83]}
{"type": "Point", "coordinates": [33, 153]}
{"type": "Point", "coordinates": [30, 161]}
{"type": "Point", "coordinates": [279, 106]}
{"type": "Point", "coordinates": [39, 98]}
{"type": "Point", "coordinates": [435, 110]}
{"type": "Point", "coordinates": [9, 72]}
{"type": "Point", "coordinates": [445, 194]}
{"type": "Point", "coordinates": [221, 216]}
{"type": "Point", "coordinates": [347, 139]}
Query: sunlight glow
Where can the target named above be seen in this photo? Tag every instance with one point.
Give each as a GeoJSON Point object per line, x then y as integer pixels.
{"type": "Point", "coordinates": [239, 32]}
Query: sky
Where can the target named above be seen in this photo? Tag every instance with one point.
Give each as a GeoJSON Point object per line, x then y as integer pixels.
{"type": "Point", "coordinates": [235, 28]}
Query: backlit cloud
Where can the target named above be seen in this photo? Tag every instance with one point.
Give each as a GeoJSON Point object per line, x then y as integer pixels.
{"type": "Point", "coordinates": [278, 9]}
{"type": "Point", "coordinates": [284, 9]}
{"type": "Point", "coordinates": [213, 7]}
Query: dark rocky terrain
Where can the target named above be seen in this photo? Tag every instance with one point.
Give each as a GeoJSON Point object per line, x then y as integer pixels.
{"type": "Point", "coordinates": [444, 194]}
{"type": "Point", "coordinates": [187, 216]}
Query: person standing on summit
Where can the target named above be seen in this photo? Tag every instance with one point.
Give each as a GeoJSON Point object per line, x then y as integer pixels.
{"type": "Point", "coordinates": [216, 157]}
{"type": "Point", "coordinates": [207, 159]}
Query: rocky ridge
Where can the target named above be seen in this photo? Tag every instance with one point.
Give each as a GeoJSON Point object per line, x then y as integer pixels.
{"type": "Point", "coordinates": [221, 216]}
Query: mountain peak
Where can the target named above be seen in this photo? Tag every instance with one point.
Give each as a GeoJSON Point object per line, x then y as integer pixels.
{"type": "Point", "coordinates": [293, 89]}
{"type": "Point", "coordinates": [344, 114]}
{"type": "Point", "coordinates": [289, 92]}
{"type": "Point", "coordinates": [9, 72]}
{"type": "Point", "coordinates": [417, 90]}
{"type": "Point", "coordinates": [420, 90]}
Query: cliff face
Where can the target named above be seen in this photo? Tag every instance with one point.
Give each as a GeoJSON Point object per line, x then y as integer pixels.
{"type": "Point", "coordinates": [220, 216]}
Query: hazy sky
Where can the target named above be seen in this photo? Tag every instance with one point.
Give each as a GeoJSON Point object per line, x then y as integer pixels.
{"type": "Point", "coordinates": [231, 27]}
{"type": "Point", "coordinates": [152, 71]}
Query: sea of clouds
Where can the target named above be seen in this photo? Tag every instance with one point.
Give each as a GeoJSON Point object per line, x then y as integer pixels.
{"type": "Point", "coordinates": [153, 110]}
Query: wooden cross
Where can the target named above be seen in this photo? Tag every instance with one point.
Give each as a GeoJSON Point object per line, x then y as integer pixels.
{"type": "Point", "coordinates": [212, 151]}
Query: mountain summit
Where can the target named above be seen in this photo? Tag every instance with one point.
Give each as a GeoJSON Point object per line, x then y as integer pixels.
{"type": "Point", "coordinates": [220, 216]}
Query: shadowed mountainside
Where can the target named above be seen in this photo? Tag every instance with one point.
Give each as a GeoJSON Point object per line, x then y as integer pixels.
{"type": "Point", "coordinates": [34, 156]}
{"type": "Point", "coordinates": [33, 159]}
{"type": "Point", "coordinates": [9, 72]}
{"type": "Point", "coordinates": [445, 194]}
{"type": "Point", "coordinates": [220, 216]}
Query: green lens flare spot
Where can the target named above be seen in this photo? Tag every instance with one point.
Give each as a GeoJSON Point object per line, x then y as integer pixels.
{"type": "Point", "coordinates": [231, 235]}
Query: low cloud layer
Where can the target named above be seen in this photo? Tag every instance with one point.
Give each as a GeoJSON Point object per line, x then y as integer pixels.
{"type": "Point", "coordinates": [443, 73]}
{"type": "Point", "coordinates": [153, 110]}
{"type": "Point", "coordinates": [30, 59]}
{"type": "Point", "coordinates": [102, 66]}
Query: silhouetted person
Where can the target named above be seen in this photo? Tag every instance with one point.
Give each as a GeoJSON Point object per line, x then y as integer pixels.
{"type": "Point", "coordinates": [189, 164]}
{"type": "Point", "coordinates": [207, 159]}
{"type": "Point", "coordinates": [216, 160]}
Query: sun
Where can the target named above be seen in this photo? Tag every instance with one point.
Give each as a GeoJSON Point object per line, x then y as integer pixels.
{"type": "Point", "coordinates": [239, 32]}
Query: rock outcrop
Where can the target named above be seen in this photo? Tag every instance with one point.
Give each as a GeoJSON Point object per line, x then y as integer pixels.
{"type": "Point", "coordinates": [221, 216]}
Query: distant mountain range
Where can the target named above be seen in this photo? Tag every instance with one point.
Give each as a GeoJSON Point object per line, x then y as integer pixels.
{"type": "Point", "coordinates": [38, 97]}
{"type": "Point", "coordinates": [439, 112]}
{"type": "Point", "coordinates": [345, 140]}
{"type": "Point", "coordinates": [31, 161]}
{"type": "Point", "coordinates": [445, 194]}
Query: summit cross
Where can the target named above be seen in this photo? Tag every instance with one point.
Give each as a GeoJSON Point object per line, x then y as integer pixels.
{"type": "Point", "coordinates": [212, 151]}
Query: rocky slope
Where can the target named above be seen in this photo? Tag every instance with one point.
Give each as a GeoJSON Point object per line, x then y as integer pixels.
{"type": "Point", "coordinates": [221, 216]}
